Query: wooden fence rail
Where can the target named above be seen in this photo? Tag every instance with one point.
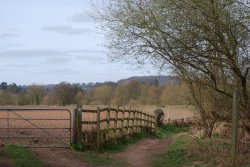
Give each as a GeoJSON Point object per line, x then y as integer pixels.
{"type": "Point", "coordinates": [109, 125]}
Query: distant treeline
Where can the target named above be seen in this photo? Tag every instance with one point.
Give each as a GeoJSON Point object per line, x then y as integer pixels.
{"type": "Point", "coordinates": [108, 93]}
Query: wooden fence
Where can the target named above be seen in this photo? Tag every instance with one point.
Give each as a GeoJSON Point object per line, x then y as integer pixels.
{"type": "Point", "coordinates": [180, 121]}
{"type": "Point", "coordinates": [109, 124]}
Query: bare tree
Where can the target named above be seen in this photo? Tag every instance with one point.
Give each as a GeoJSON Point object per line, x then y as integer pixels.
{"type": "Point", "coordinates": [206, 42]}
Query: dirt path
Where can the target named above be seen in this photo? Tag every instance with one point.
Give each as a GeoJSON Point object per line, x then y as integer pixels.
{"type": "Point", "coordinates": [60, 157]}
{"type": "Point", "coordinates": [140, 154]}
{"type": "Point", "coordinates": [136, 155]}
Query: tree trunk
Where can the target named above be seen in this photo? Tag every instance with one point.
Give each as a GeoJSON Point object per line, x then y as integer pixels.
{"type": "Point", "coordinates": [209, 130]}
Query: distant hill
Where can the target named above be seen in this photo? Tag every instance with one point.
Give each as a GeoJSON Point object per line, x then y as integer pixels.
{"type": "Point", "coordinates": [152, 80]}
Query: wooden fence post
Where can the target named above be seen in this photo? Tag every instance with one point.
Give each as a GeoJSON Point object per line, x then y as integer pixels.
{"type": "Point", "coordinates": [144, 121]}
{"type": "Point", "coordinates": [74, 137]}
{"type": "Point", "coordinates": [141, 127]}
{"type": "Point", "coordinates": [77, 126]}
{"type": "Point", "coordinates": [169, 121]}
{"type": "Point", "coordinates": [133, 121]}
{"type": "Point", "coordinates": [129, 112]}
{"type": "Point", "coordinates": [137, 121]}
{"type": "Point", "coordinates": [116, 117]}
{"type": "Point", "coordinates": [108, 123]}
{"type": "Point", "coordinates": [123, 111]}
{"type": "Point", "coordinates": [235, 122]}
{"type": "Point", "coordinates": [152, 126]}
{"type": "Point", "coordinates": [148, 125]}
{"type": "Point", "coordinates": [98, 130]}
{"type": "Point", "coordinates": [153, 123]}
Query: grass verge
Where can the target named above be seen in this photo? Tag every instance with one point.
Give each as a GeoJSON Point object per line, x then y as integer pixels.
{"type": "Point", "coordinates": [175, 156]}
{"type": "Point", "coordinates": [199, 152]}
{"type": "Point", "coordinates": [101, 160]}
{"type": "Point", "coordinates": [22, 157]}
{"type": "Point", "coordinates": [170, 129]}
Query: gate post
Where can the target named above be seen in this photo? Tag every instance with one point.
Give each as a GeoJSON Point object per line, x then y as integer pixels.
{"type": "Point", "coordinates": [98, 130]}
{"type": "Point", "coordinates": [74, 136]}
{"type": "Point", "coordinates": [77, 127]}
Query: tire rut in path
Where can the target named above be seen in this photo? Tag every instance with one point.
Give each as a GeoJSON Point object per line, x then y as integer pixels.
{"type": "Point", "coordinates": [141, 154]}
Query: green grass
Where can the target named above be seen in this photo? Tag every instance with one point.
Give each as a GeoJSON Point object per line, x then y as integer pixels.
{"type": "Point", "coordinates": [100, 160]}
{"type": "Point", "coordinates": [198, 152]}
{"type": "Point", "coordinates": [178, 155]}
{"type": "Point", "coordinates": [247, 164]}
{"type": "Point", "coordinates": [175, 156]}
{"type": "Point", "coordinates": [22, 157]}
{"type": "Point", "coordinates": [170, 129]}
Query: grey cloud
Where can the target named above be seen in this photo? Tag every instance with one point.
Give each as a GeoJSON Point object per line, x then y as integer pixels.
{"type": "Point", "coordinates": [92, 58]}
{"type": "Point", "coordinates": [81, 17]}
{"type": "Point", "coordinates": [89, 55]}
{"type": "Point", "coordinates": [68, 30]}
{"type": "Point", "coordinates": [60, 72]}
{"type": "Point", "coordinates": [57, 60]}
{"type": "Point", "coordinates": [55, 54]}
{"type": "Point", "coordinates": [54, 57]}
{"type": "Point", "coordinates": [32, 53]}
{"type": "Point", "coordinates": [8, 35]}
{"type": "Point", "coordinates": [86, 51]}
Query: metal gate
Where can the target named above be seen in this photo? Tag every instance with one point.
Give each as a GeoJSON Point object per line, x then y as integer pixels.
{"type": "Point", "coordinates": [36, 127]}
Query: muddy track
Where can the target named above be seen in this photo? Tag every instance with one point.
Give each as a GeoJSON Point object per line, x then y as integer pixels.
{"type": "Point", "coordinates": [136, 155]}
{"type": "Point", "coordinates": [141, 154]}
{"type": "Point", "coordinates": [59, 157]}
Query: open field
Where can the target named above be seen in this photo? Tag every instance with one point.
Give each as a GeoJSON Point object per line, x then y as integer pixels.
{"type": "Point", "coordinates": [43, 127]}
{"type": "Point", "coordinates": [173, 112]}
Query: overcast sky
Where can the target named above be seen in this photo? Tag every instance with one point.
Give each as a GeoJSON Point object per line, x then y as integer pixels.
{"type": "Point", "coordinates": [50, 41]}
